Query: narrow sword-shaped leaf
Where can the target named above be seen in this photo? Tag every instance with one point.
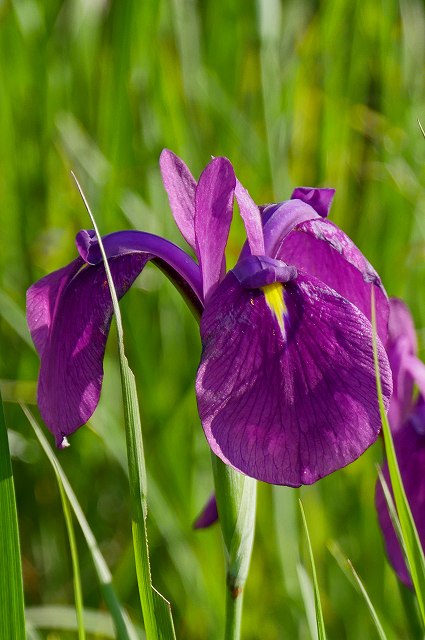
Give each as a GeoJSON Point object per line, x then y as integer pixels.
{"type": "Point", "coordinates": [372, 611]}
{"type": "Point", "coordinates": [319, 614]}
{"type": "Point", "coordinates": [414, 551]}
{"type": "Point", "coordinates": [12, 616]}
{"type": "Point", "coordinates": [352, 576]}
{"type": "Point", "coordinates": [307, 593]}
{"type": "Point", "coordinates": [78, 593]}
{"type": "Point", "coordinates": [392, 511]}
{"type": "Point", "coordinates": [156, 609]}
{"type": "Point", "coordinates": [123, 625]}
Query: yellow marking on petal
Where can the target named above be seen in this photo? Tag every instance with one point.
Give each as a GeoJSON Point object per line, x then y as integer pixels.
{"type": "Point", "coordinates": [273, 294]}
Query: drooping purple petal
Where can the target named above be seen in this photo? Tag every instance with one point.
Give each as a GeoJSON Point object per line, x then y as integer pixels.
{"type": "Point", "coordinates": [319, 199]}
{"type": "Point", "coordinates": [252, 219]}
{"type": "Point", "coordinates": [180, 186]}
{"type": "Point", "coordinates": [409, 442]}
{"type": "Point", "coordinates": [71, 370]}
{"type": "Point", "coordinates": [213, 215]}
{"type": "Point", "coordinates": [286, 385]}
{"type": "Point", "coordinates": [42, 298]}
{"type": "Point", "coordinates": [208, 515]}
{"type": "Point", "coordinates": [318, 247]}
{"type": "Point", "coordinates": [72, 333]}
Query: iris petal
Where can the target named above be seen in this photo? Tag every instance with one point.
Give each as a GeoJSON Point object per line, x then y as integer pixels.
{"type": "Point", "coordinates": [319, 199]}
{"type": "Point", "coordinates": [69, 313]}
{"type": "Point", "coordinates": [177, 265]}
{"type": "Point", "coordinates": [42, 299]}
{"type": "Point", "coordinates": [251, 216]}
{"type": "Point", "coordinates": [213, 215]}
{"type": "Point", "coordinates": [288, 407]}
{"type": "Point", "coordinates": [321, 249]}
{"type": "Point", "coordinates": [180, 186]}
{"type": "Point", "coordinates": [71, 369]}
{"type": "Point", "coordinates": [208, 515]}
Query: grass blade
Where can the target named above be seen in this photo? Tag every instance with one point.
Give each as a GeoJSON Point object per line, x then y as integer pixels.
{"type": "Point", "coordinates": [321, 633]}
{"type": "Point", "coordinates": [74, 557]}
{"type": "Point", "coordinates": [59, 617]}
{"type": "Point", "coordinates": [123, 625]}
{"type": "Point", "coordinates": [372, 611]}
{"type": "Point", "coordinates": [12, 616]}
{"type": "Point", "coordinates": [393, 512]}
{"type": "Point", "coordinates": [414, 551]}
{"type": "Point", "coordinates": [156, 609]}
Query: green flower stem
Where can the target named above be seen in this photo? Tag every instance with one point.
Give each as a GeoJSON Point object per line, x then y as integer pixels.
{"type": "Point", "coordinates": [234, 605]}
{"type": "Point", "coordinates": [236, 502]}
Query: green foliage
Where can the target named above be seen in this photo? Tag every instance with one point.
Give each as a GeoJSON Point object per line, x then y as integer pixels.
{"type": "Point", "coordinates": [321, 632]}
{"type": "Point", "coordinates": [294, 92]}
{"type": "Point", "coordinates": [12, 619]}
{"type": "Point", "coordinates": [410, 538]}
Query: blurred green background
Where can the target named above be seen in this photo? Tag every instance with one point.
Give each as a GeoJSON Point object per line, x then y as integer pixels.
{"type": "Point", "coordinates": [294, 92]}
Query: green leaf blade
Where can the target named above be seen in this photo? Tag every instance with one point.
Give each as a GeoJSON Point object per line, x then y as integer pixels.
{"type": "Point", "coordinates": [321, 632]}
{"type": "Point", "coordinates": [12, 616]}
{"type": "Point", "coordinates": [412, 544]}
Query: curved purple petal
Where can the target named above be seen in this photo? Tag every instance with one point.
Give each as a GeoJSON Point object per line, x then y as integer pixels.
{"type": "Point", "coordinates": [71, 370]}
{"type": "Point", "coordinates": [279, 220]}
{"type": "Point", "coordinates": [319, 199]}
{"type": "Point", "coordinates": [251, 216]}
{"type": "Point", "coordinates": [286, 385]}
{"type": "Point", "coordinates": [176, 264]}
{"type": "Point", "coordinates": [318, 247]}
{"type": "Point", "coordinates": [42, 299]}
{"type": "Point", "coordinates": [258, 271]}
{"type": "Point", "coordinates": [213, 215]}
{"type": "Point", "coordinates": [71, 334]}
{"type": "Point", "coordinates": [409, 444]}
{"type": "Point", "coordinates": [180, 186]}
{"type": "Point", "coordinates": [208, 515]}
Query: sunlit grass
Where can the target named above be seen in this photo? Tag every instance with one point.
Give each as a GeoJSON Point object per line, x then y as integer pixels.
{"type": "Point", "coordinates": [292, 94]}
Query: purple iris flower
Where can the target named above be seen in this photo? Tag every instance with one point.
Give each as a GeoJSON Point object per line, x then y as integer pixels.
{"type": "Point", "coordinates": [286, 383]}
{"type": "Point", "coordinates": [407, 422]}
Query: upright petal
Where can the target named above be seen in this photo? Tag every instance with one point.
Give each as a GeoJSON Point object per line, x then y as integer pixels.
{"type": "Point", "coordinates": [213, 215]}
{"type": "Point", "coordinates": [409, 444]}
{"type": "Point", "coordinates": [286, 385]}
{"type": "Point", "coordinates": [319, 199]}
{"type": "Point", "coordinates": [251, 216]}
{"type": "Point", "coordinates": [278, 220]}
{"type": "Point", "coordinates": [318, 247]}
{"type": "Point", "coordinates": [71, 334]}
{"type": "Point", "coordinates": [180, 186]}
